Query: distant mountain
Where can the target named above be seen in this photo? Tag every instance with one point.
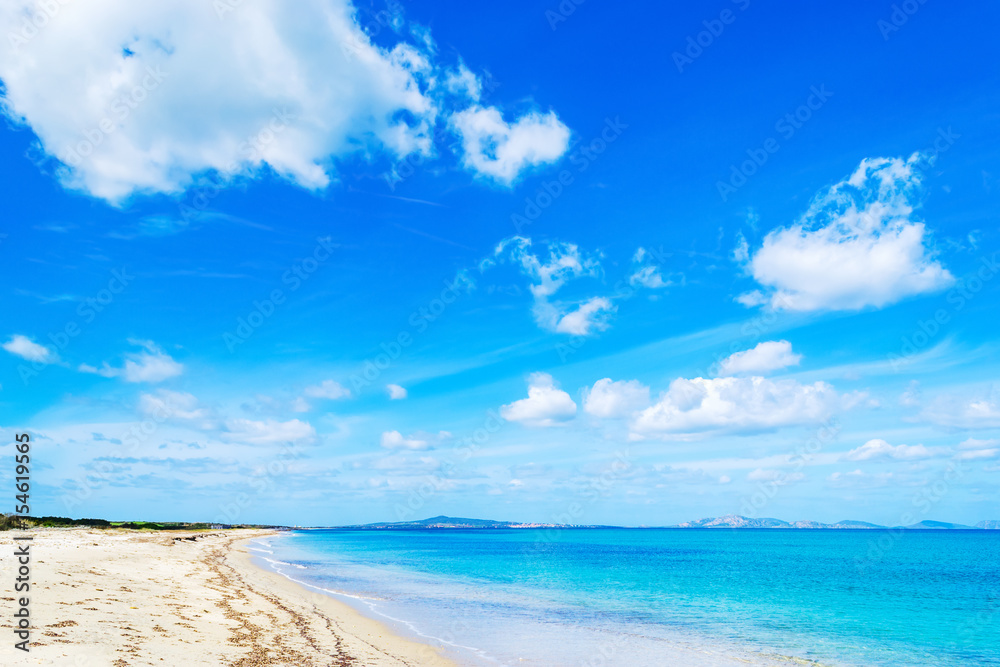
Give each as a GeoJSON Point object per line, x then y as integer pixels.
{"type": "Point", "coordinates": [729, 521]}
{"type": "Point", "coordinates": [938, 525]}
{"type": "Point", "coordinates": [737, 521]}
{"type": "Point", "coordinates": [437, 522]}
{"type": "Point", "coordinates": [854, 525]}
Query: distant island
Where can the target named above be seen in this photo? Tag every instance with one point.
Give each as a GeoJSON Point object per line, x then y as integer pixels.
{"type": "Point", "coordinates": [737, 521]}
{"type": "Point", "coordinates": [728, 521]}
{"type": "Point", "coordinates": [437, 522]}
{"type": "Point", "coordinates": [731, 521]}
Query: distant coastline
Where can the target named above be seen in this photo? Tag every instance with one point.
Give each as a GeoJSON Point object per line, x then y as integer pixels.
{"type": "Point", "coordinates": [732, 521]}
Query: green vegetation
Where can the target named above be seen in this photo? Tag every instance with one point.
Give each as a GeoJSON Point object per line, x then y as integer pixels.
{"type": "Point", "coordinates": [13, 522]}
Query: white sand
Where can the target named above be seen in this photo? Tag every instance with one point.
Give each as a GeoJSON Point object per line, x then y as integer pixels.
{"type": "Point", "coordinates": [110, 598]}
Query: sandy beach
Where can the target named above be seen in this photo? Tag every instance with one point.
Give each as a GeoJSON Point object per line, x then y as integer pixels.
{"type": "Point", "coordinates": [111, 598]}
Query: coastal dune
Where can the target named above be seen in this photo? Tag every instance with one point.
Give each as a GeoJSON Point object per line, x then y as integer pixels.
{"type": "Point", "coordinates": [119, 597]}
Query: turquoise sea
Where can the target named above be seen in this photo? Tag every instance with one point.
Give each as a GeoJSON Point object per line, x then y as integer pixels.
{"type": "Point", "coordinates": [640, 597]}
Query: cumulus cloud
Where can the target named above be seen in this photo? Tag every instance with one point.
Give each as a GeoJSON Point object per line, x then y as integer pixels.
{"type": "Point", "coordinates": [565, 263]}
{"type": "Point", "coordinates": [268, 432]}
{"type": "Point", "coordinates": [415, 442]}
{"type": "Point", "coordinates": [328, 389]}
{"type": "Point", "coordinates": [150, 365]}
{"type": "Point", "coordinates": [24, 347]}
{"type": "Point", "coordinates": [500, 150]}
{"type": "Point", "coordinates": [767, 356]}
{"type": "Point", "coordinates": [138, 97]}
{"type": "Point", "coordinates": [609, 399]}
{"type": "Point", "coordinates": [546, 404]}
{"type": "Point", "coordinates": [859, 244]}
{"type": "Point", "coordinates": [734, 404]}
{"type": "Point", "coordinates": [396, 392]}
{"type": "Point", "coordinates": [878, 449]}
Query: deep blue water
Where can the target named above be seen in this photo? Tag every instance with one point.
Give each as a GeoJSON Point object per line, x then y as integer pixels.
{"type": "Point", "coordinates": [629, 597]}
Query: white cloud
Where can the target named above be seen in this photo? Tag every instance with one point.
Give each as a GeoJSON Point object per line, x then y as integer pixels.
{"type": "Point", "coordinates": [858, 245]}
{"type": "Point", "coordinates": [133, 97]}
{"type": "Point", "coordinates": [328, 389]}
{"type": "Point", "coordinates": [150, 365]}
{"type": "Point", "coordinates": [26, 348]}
{"type": "Point", "coordinates": [565, 263]}
{"type": "Point", "coordinates": [964, 413]}
{"type": "Point", "coordinates": [974, 449]}
{"type": "Point", "coordinates": [502, 151]}
{"type": "Point", "coordinates": [396, 392]}
{"type": "Point", "coordinates": [609, 399]}
{"type": "Point", "coordinates": [546, 405]}
{"type": "Point", "coordinates": [734, 404]}
{"type": "Point", "coordinates": [268, 432]}
{"type": "Point", "coordinates": [977, 443]}
{"type": "Point", "coordinates": [592, 315]}
{"type": "Point", "coordinates": [878, 449]}
{"type": "Point", "coordinates": [182, 406]}
{"type": "Point", "coordinates": [979, 454]}
{"type": "Point", "coordinates": [646, 274]}
{"type": "Point", "coordinates": [416, 441]}
{"type": "Point", "coordinates": [741, 253]}
{"type": "Point", "coordinates": [858, 479]}
{"type": "Point", "coordinates": [767, 356]}
{"type": "Point", "coordinates": [751, 299]}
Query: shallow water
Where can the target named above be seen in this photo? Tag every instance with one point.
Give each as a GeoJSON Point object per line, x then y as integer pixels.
{"type": "Point", "coordinates": [628, 596]}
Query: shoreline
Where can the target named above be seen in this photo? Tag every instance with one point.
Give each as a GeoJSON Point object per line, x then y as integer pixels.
{"type": "Point", "coordinates": [128, 597]}
{"type": "Point", "coordinates": [362, 630]}
{"type": "Point", "coordinates": [688, 651]}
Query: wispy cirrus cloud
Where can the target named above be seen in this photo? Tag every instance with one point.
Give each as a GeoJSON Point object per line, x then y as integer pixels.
{"type": "Point", "coordinates": [878, 449]}
{"type": "Point", "coordinates": [268, 432]}
{"type": "Point", "coordinates": [328, 389]}
{"type": "Point", "coordinates": [564, 263]}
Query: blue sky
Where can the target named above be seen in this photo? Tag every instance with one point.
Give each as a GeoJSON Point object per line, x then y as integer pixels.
{"type": "Point", "coordinates": [607, 265]}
